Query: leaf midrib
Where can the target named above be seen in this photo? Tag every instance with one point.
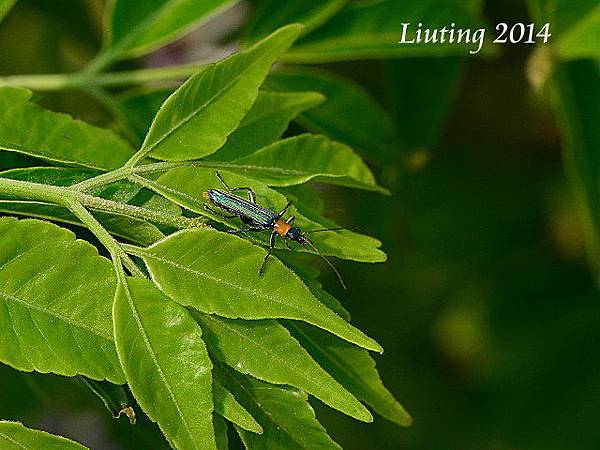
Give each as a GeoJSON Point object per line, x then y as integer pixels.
{"type": "Point", "coordinates": [242, 288]}
{"type": "Point", "coordinates": [7, 438]}
{"type": "Point", "coordinates": [202, 107]}
{"type": "Point", "coordinates": [135, 315]}
{"type": "Point", "coordinates": [137, 30]}
{"type": "Point", "coordinates": [54, 314]}
{"type": "Point", "coordinates": [289, 172]}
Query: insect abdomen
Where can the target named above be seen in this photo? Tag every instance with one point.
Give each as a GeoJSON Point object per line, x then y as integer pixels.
{"type": "Point", "coordinates": [241, 207]}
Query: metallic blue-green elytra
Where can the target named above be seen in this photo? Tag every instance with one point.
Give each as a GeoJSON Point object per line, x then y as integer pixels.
{"type": "Point", "coordinates": [256, 214]}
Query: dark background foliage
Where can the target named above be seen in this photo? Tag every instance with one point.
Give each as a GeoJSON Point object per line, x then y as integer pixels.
{"type": "Point", "coordinates": [486, 308]}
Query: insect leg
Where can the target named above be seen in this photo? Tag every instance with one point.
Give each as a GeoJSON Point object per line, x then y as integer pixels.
{"type": "Point", "coordinates": [251, 194]}
{"type": "Point", "coordinates": [291, 220]}
{"type": "Point", "coordinates": [284, 210]}
{"type": "Point", "coordinates": [219, 213]}
{"type": "Point", "coordinates": [222, 181]}
{"type": "Point", "coordinates": [261, 271]}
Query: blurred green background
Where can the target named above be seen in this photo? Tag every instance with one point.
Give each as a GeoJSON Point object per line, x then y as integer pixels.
{"type": "Point", "coordinates": [487, 309]}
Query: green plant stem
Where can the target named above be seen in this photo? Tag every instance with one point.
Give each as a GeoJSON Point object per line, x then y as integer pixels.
{"type": "Point", "coordinates": [126, 172]}
{"type": "Point", "coordinates": [67, 196]}
{"type": "Point", "coordinates": [79, 80]}
{"type": "Point", "coordinates": [133, 250]}
{"type": "Point", "coordinates": [115, 250]}
{"type": "Point", "coordinates": [149, 215]}
{"type": "Point", "coordinates": [158, 188]}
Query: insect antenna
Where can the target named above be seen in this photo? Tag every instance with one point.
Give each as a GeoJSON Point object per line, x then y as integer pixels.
{"type": "Point", "coordinates": [331, 229]}
{"type": "Point", "coordinates": [327, 229]}
{"type": "Point", "coordinates": [327, 261]}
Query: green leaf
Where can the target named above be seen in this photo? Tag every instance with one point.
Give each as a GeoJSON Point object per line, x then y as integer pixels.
{"type": "Point", "coordinates": [372, 30]}
{"type": "Point", "coordinates": [165, 362]}
{"type": "Point", "coordinates": [129, 228]}
{"type": "Point", "coordinates": [285, 414]}
{"type": "Point", "coordinates": [53, 176]}
{"type": "Point", "coordinates": [15, 436]}
{"type": "Point", "coordinates": [272, 14]}
{"type": "Point", "coordinates": [307, 157]}
{"type": "Point", "coordinates": [578, 107]}
{"type": "Point", "coordinates": [227, 406]}
{"type": "Point", "coordinates": [5, 6]}
{"type": "Point", "coordinates": [574, 24]}
{"type": "Point", "coordinates": [349, 115]}
{"type": "Point", "coordinates": [186, 185]}
{"type": "Point", "coordinates": [51, 322]}
{"type": "Point", "coordinates": [140, 27]}
{"type": "Point", "coordinates": [27, 128]}
{"type": "Point", "coordinates": [197, 118]}
{"type": "Point", "coordinates": [265, 350]}
{"type": "Point", "coordinates": [353, 368]}
{"type": "Point", "coordinates": [266, 122]}
{"type": "Point", "coordinates": [216, 273]}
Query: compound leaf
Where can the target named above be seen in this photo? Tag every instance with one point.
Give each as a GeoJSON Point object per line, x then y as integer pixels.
{"type": "Point", "coordinates": [29, 129]}
{"type": "Point", "coordinates": [15, 436]}
{"type": "Point", "coordinates": [56, 296]}
{"type": "Point", "coordinates": [198, 117]}
{"type": "Point", "coordinates": [216, 273]}
{"type": "Point", "coordinates": [267, 351]}
{"type": "Point", "coordinates": [166, 363]}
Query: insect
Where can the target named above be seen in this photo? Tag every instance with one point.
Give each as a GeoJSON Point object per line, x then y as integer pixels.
{"type": "Point", "coordinates": [258, 218]}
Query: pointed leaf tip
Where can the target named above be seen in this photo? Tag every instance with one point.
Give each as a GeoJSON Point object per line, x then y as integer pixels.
{"type": "Point", "coordinates": [197, 118]}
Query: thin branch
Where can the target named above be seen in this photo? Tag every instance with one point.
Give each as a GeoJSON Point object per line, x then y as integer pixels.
{"type": "Point", "coordinates": [66, 196]}
{"type": "Point", "coordinates": [80, 80]}
{"type": "Point", "coordinates": [113, 247]}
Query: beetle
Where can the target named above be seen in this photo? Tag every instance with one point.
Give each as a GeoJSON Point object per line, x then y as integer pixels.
{"type": "Point", "coordinates": [258, 218]}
